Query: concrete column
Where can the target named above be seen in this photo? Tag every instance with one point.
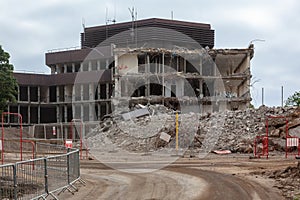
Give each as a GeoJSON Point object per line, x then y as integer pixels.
{"type": "Point", "coordinates": [66, 98]}
{"type": "Point", "coordinates": [107, 91]}
{"type": "Point", "coordinates": [28, 93]}
{"type": "Point", "coordinates": [66, 113]}
{"type": "Point", "coordinates": [73, 93]}
{"type": "Point", "coordinates": [91, 92]}
{"type": "Point", "coordinates": [57, 93]}
{"type": "Point", "coordinates": [83, 130]}
{"type": "Point", "coordinates": [98, 88]}
{"type": "Point", "coordinates": [200, 66]}
{"type": "Point", "coordinates": [81, 92]}
{"type": "Point", "coordinates": [184, 65]}
{"type": "Point", "coordinates": [48, 95]}
{"type": "Point", "coordinates": [117, 84]}
{"type": "Point", "coordinates": [39, 93]}
{"type": "Point", "coordinates": [91, 112]}
{"type": "Point", "coordinates": [57, 114]}
{"type": "Point", "coordinates": [107, 107]}
{"type": "Point", "coordinates": [200, 87]}
{"type": "Point", "coordinates": [81, 67]}
{"type": "Point", "coordinates": [73, 111]}
{"type": "Point", "coordinates": [98, 65]}
{"type": "Point", "coordinates": [28, 114]}
{"type": "Point", "coordinates": [107, 63]}
{"type": "Point", "coordinates": [73, 67]}
{"type": "Point", "coordinates": [159, 65]}
{"type": "Point", "coordinates": [177, 64]}
{"type": "Point", "coordinates": [39, 114]}
{"type": "Point", "coordinates": [99, 111]}
{"type": "Point", "coordinates": [148, 88]}
{"type": "Point", "coordinates": [19, 108]}
{"type": "Point", "coordinates": [89, 66]}
{"type": "Point", "coordinates": [81, 111]}
{"type": "Point", "coordinates": [65, 68]}
{"type": "Point", "coordinates": [148, 64]}
{"type": "Point", "coordinates": [57, 70]}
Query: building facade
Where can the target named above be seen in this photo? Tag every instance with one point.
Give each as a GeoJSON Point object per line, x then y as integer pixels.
{"type": "Point", "coordinates": [145, 61]}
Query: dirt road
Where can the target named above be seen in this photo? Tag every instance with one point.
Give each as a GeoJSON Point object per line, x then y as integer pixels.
{"type": "Point", "coordinates": [213, 178]}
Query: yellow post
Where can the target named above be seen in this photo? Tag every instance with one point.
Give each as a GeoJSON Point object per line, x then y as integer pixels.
{"type": "Point", "coordinates": [176, 125]}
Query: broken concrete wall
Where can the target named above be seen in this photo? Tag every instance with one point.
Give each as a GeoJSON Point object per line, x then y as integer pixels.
{"type": "Point", "coordinates": [127, 63]}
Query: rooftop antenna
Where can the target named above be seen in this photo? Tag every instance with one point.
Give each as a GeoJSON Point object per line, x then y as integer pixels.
{"type": "Point", "coordinates": [133, 14]}
{"type": "Point", "coordinates": [172, 15]}
{"type": "Point", "coordinates": [132, 22]}
{"type": "Point", "coordinates": [135, 28]}
{"type": "Point", "coordinates": [114, 19]}
{"type": "Point", "coordinates": [108, 20]}
{"type": "Point", "coordinates": [83, 26]}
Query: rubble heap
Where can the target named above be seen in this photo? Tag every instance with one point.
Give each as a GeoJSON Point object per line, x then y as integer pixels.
{"type": "Point", "coordinates": [286, 180]}
{"type": "Point", "coordinates": [230, 130]}
{"type": "Point", "coordinates": [241, 127]}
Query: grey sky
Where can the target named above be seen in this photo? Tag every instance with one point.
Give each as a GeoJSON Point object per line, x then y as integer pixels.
{"type": "Point", "coordinates": [30, 28]}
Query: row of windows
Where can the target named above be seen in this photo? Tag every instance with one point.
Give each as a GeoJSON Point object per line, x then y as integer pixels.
{"type": "Point", "coordinates": [64, 93]}
{"type": "Point", "coordinates": [84, 66]}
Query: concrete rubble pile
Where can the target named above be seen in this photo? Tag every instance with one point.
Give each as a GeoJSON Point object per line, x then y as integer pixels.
{"type": "Point", "coordinates": [286, 180]}
{"type": "Point", "coordinates": [227, 130]}
{"type": "Point", "coordinates": [241, 127]}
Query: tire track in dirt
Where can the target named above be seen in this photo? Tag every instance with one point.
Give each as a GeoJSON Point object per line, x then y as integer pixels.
{"type": "Point", "coordinates": [183, 181]}
{"type": "Point", "coordinates": [160, 184]}
{"type": "Point", "coordinates": [226, 186]}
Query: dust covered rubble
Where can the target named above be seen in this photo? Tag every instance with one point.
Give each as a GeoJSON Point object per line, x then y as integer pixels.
{"type": "Point", "coordinates": [230, 130]}
{"type": "Point", "coordinates": [286, 180]}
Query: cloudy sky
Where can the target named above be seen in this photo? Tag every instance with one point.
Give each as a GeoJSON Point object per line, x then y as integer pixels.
{"type": "Point", "coordinates": [30, 28]}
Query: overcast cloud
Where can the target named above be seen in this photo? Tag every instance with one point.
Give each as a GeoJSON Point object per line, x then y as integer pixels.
{"type": "Point", "coordinates": [30, 28]}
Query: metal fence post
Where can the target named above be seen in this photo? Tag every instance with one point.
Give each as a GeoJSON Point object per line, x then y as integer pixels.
{"type": "Point", "coordinates": [68, 166]}
{"type": "Point", "coordinates": [46, 176]}
{"type": "Point", "coordinates": [15, 181]}
{"type": "Point", "coordinates": [78, 164]}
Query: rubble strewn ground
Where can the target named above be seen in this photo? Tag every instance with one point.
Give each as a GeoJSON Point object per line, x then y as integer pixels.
{"type": "Point", "coordinates": [228, 130]}
{"type": "Point", "coordinates": [286, 180]}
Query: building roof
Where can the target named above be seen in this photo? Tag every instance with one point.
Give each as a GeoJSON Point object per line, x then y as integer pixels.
{"type": "Point", "coordinates": [153, 31]}
{"type": "Point", "coordinates": [63, 79]}
{"type": "Point", "coordinates": [199, 32]}
{"type": "Point", "coordinates": [151, 21]}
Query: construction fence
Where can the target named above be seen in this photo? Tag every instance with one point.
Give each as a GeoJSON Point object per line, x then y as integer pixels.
{"type": "Point", "coordinates": [42, 177]}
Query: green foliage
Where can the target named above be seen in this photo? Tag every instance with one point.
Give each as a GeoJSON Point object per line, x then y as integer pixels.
{"type": "Point", "coordinates": [8, 83]}
{"type": "Point", "coordinates": [251, 105]}
{"type": "Point", "coordinates": [293, 100]}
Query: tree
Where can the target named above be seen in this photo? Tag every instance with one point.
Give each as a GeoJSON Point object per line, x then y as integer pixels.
{"type": "Point", "coordinates": [8, 83]}
{"type": "Point", "coordinates": [293, 100]}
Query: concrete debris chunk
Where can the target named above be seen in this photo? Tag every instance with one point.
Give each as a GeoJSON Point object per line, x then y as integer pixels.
{"type": "Point", "coordinates": [164, 136]}
{"type": "Point", "coordinates": [135, 114]}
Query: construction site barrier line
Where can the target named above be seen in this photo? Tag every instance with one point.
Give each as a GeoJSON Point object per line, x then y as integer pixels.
{"type": "Point", "coordinates": [51, 175]}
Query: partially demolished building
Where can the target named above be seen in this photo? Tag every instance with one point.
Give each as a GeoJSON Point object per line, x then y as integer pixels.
{"type": "Point", "coordinates": [144, 61]}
